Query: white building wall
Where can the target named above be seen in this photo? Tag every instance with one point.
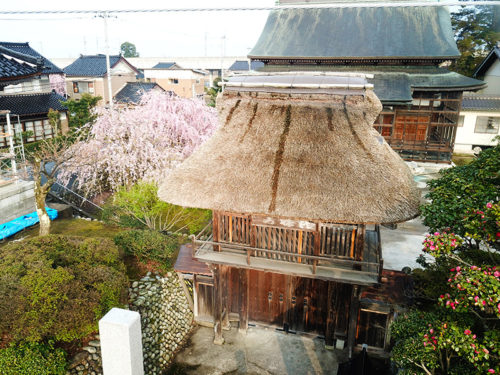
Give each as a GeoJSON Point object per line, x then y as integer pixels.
{"type": "Point", "coordinates": [172, 73]}
{"type": "Point", "coordinates": [466, 137]}
{"type": "Point", "coordinates": [492, 78]}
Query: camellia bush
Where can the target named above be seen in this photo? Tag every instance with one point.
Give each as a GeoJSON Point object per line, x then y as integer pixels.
{"type": "Point", "coordinates": [455, 328]}
{"type": "Point", "coordinates": [144, 142]}
{"type": "Point", "coordinates": [58, 287]}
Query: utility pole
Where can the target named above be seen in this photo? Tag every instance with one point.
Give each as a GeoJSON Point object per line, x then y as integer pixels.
{"type": "Point", "coordinates": [223, 51]}
{"type": "Point", "coordinates": [105, 16]}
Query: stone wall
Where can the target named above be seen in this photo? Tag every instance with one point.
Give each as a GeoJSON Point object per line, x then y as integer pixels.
{"type": "Point", "coordinates": [88, 361]}
{"type": "Point", "coordinates": [166, 319]}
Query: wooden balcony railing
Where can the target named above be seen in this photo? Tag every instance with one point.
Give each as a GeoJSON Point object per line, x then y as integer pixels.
{"type": "Point", "coordinates": [301, 242]}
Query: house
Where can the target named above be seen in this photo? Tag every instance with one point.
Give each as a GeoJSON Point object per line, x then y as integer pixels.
{"type": "Point", "coordinates": [479, 120]}
{"type": "Point", "coordinates": [214, 65]}
{"type": "Point", "coordinates": [298, 182]}
{"type": "Point", "coordinates": [132, 92]}
{"type": "Point", "coordinates": [50, 77]}
{"type": "Point", "coordinates": [187, 83]}
{"type": "Point", "coordinates": [29, 88]}
{"type": "Point", "coordinates": [404, 48]}
{"type": "Point", "coordinates": [88, 74]}
{"type": "Point", "coordinates": [241, 66]}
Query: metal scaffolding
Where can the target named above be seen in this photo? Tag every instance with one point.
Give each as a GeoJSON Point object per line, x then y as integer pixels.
{"type": "Point", "coordinates": [12, 158]}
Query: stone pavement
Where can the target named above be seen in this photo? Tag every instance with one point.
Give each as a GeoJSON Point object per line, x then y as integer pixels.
{"type": "Point", "coordinates": [402, 246]}
{"type": "Point", "coordinates": [260, 351]}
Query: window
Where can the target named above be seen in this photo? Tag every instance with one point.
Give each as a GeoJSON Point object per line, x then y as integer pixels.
{"type": "Point", "coordinates": [28, 126]}
{"type": "Point", "coordinates": [81, 87]}
{"type": "Point", "coordinates": [174, 81]}
{"type": "Point", "coordinates": [487, 125]}
{"type": "Point", "coordinates": [460, 121]}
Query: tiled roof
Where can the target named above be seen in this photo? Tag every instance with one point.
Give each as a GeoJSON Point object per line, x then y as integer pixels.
{"type": "Point", "coordinates": [31, 104]}
{"type": "Point", "coordinates": [480, 103]}
{"type": "Point", "coordinates": [164, 65]}
{"type": "Point", "coordinates": [357, 33]}
{"type": "Point", "coordinates": [132, 92]}
{"type": "Point", "coordinates": [394, 84]}
{"type": "Point", "coordinates": [12, 69]}
{"type": "Point", "coordinates": [90, 66]}
{"type": "Point", "coordinates": [493, 56]}
{"type": "Point", "coordinates": [49, 67]}
{"type": "Point", "coordinates": [243, 65]}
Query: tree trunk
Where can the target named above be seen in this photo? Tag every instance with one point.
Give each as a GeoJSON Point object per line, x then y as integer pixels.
{"type": "Point", "coordinates": [40, 195]}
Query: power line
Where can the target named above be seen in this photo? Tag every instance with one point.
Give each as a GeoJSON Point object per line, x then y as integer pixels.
{"type": "Point", "coordinates": [366, 4]}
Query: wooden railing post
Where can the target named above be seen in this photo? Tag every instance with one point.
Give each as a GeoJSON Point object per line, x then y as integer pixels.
{"type": "Point", "coordinates": [252, 239]}
{"type": "Point", "coordinates": [360, 243]}
{"type": "Point", "coordinates": [317, 245]}
{"type": "Point", "coordinates": [215, 229]}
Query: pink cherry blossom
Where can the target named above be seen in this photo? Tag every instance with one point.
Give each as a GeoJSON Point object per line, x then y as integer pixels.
{"type": "Point", "coordinates": [144, 142]}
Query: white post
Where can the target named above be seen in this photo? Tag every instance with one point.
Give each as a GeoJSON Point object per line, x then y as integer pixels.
{"type": "Point", "coordinates": [121, 343]}
{"type": "Point", "coordinates": [108, 68]}
{"type": "Point", "coordinates": [10, 131]}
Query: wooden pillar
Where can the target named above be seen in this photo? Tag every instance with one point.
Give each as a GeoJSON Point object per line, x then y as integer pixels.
{"type": "Point", "coordinates": [225, 299]}
{"type": "Point", "coordinates": [331, 311]}
{"type": "Point", "coordinates": [243, 299]}
{"type": "Point", "coordinates": [353, 319]}
{"type": "Point", "coordinates": [218, 338]}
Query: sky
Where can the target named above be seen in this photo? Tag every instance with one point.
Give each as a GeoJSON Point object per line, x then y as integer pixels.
{"type": "Point", "coordinates": [162, 34]}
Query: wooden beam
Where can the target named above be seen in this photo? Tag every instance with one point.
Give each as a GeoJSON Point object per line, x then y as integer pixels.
{"type": "Point", "coordinates": [353, 319]}
{"type": "Point", "coordinates": [186, 291]}
{"type": "Point", "coordinates": [218, 338]}
{"type": "Point", "coordinates": [243, 299]}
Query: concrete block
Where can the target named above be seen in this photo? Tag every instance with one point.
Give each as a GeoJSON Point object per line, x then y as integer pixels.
{"type": "Point", "coordinates": [121, 343]}
{"type": "Point", "coordinates": [339, 344]}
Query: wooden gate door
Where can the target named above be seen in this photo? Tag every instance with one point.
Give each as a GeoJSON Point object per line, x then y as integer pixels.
{"type": "Point", "coordinates": [301, 304]}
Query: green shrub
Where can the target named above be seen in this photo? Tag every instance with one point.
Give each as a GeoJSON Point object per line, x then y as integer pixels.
{"type": "Point", "coordinates": [58, 287]}
{"type": "Point", "coordinates": [139, 207]}
{"type": "Point", "coordinates": [148, 245]}
{"type": "Point", "coordinates": [32, 359]}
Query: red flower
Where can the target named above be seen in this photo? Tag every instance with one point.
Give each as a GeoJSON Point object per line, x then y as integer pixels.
{"type": "Point", "coordinates": [467, 332]}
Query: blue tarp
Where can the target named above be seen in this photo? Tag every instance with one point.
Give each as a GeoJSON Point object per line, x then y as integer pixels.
{"type": "Point", "coordinates": [12, 227]}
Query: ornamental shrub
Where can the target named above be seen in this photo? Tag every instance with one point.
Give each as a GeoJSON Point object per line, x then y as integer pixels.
{"type": "Point", "coordinates": [32, 359]}
{"type": "Point", "coordinates": [462, 190]}
{"type": "Point", "coordinates": [58, 287]}
{"type": "Point", "coordinates": [138, 206]}
{"type": "Point", "coordinates": [148, 245]}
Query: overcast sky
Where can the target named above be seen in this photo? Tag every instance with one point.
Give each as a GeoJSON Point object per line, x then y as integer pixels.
{"type": "Point", "coordinates": [163, 34]}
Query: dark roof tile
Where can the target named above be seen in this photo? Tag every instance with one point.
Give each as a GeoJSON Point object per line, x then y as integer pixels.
{"type": "Point", "coordinates": [49, 67]}
{"type": "Point", "coordinates": [481, 103]}
{"type": "Point", "coordinates": [132, 92]}
{"type": "Point", "coordinates": [10, 68]}
{"type": "Point", "coordinates": [31, 104]}
{"type": "Point", "coordinates": [90, 66]}
{"type": "Point", "coordinates": [243, 65]}
{"type": "Point", "coordinates": [164, 65]}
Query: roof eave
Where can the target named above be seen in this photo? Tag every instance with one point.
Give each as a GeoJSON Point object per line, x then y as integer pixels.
{"type": "Point", "coordinates": [354, 58]}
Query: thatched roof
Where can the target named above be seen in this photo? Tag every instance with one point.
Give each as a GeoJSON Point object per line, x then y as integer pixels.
{"type": "Point", "coordinates": [297, 152]}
